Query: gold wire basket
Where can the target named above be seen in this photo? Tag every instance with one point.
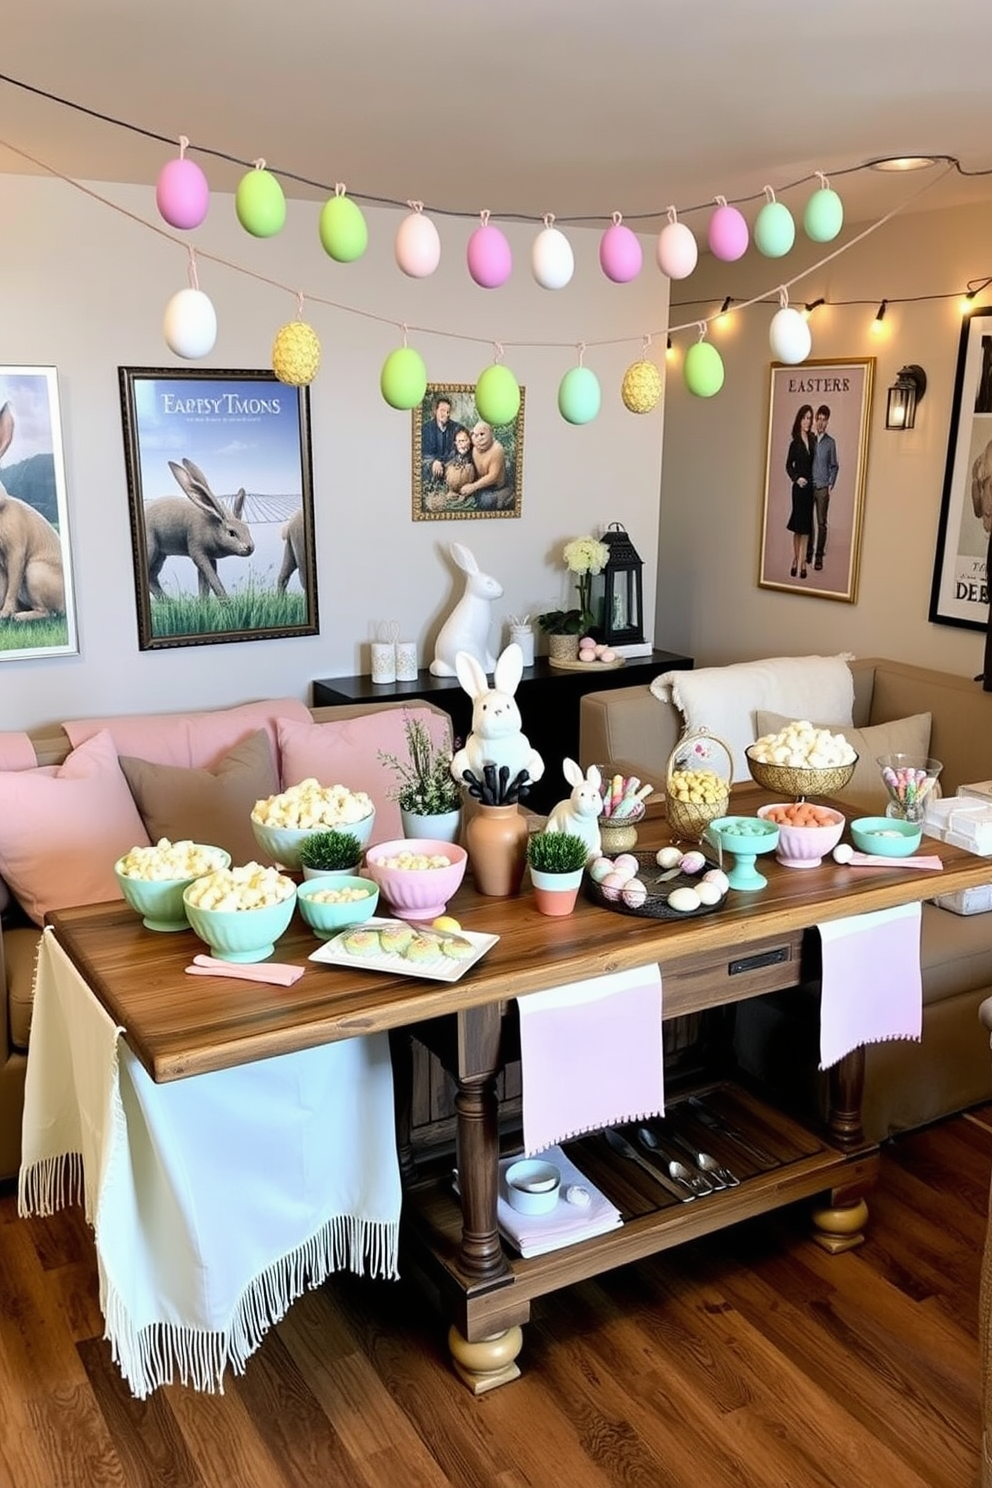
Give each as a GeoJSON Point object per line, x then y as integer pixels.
{"type": "Point", "coordinates": [695, 751]}
{"type": "Point", "coordinates": [799, 781]}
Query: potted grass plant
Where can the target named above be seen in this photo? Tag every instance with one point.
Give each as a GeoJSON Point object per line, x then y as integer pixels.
{"type": "Point", "coordinates": [429, 798]}
{"type": "Point", "coordinates": [330, 852]}
{"type": "Point", "coordinates": [556, 861]}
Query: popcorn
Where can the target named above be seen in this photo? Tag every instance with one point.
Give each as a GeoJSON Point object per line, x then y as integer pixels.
{"type": "Point", "coordinates": [250, 886]}
{"type": "Point", "coordinates": [801, 745]}
{"type": "Point", "coordinates": [419, 861]}
{"type": "Point", "coordinates": [309, 805]}
{"type": "Point", "coordinates": [167, 861]}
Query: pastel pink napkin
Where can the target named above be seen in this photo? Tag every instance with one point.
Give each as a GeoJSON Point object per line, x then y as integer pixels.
{"type": "Point", "coordinates": [872, 987]}
{"type": "Point", "coordinates": [248, 971]}
{"type": "Point", "coordinates": [591, 1055]}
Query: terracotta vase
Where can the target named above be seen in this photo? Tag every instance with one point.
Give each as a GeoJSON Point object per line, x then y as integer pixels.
{"type": "Point", "coordinates": [496, 842]}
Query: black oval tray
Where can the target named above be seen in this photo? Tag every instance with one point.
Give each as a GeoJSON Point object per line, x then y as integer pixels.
{"type": "Point", "coordinates": [655, 906]}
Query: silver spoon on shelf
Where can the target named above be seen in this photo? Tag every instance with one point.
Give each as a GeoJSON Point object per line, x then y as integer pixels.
{"type": "Point", "coordinates": [719, 1176]}
{"type": "Point", "coordinates": [684, 1193]}
{"type": "Point", "coordinates": [696, 1181]}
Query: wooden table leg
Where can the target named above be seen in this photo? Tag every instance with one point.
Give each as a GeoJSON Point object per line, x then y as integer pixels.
{"type": "Point", "coordinates": [839, 1224]}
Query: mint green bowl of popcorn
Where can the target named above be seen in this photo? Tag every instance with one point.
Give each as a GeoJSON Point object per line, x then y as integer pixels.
{"type": "Point", "coordinates": [241, 912]}
{"type": "Point", "coordinates": [154, 879]}
{"type": "Point", "coordinates": [337, 900]}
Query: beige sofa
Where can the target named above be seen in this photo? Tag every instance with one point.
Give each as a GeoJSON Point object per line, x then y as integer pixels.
{"type": "Point", "coordinates": [342, 729]}
{"type": "Point", "coordinates": [907, 1084]}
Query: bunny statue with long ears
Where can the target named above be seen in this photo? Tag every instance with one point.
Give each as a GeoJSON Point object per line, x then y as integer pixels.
{"type": "Point", "coordinates": [496, 737]}
{"type": "Point", "coordinates": [467, 627]}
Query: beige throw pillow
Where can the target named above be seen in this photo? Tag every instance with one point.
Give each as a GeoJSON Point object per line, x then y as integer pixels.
{"type": "Point", "coordinates": [211, 806]}
{"type": "Point", "coordinates": [865, 789]}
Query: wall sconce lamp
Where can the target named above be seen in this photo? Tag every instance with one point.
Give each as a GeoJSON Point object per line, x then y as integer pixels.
{"type": "Point", "coordinates": [904, 394]}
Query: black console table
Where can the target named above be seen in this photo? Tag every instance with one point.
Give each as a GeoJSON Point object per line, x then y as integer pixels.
{"type": "Point", "coordinates": [548, 698]}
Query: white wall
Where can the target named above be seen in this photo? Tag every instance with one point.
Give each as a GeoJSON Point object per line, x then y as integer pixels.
{"type": "Point", "coordinates": [83, 288]}
{"type": "Point", "coordinates": [712, 489]}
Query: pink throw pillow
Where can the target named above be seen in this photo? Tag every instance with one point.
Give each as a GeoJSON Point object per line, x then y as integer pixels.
{"type": "Point", "coordinates": [197, 741]}
{"type": "Point", "coordinates": [347, 753]}
{"type": "Point", "coordinates": [63, 827]}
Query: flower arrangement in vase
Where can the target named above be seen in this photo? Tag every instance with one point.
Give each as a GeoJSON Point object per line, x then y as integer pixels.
{"type": "Point", "coordinates": [556, 861]}
{"type": "Point", "coordinates": [426, 787]}
{"type": "Point", "coordinates": [584, 556]}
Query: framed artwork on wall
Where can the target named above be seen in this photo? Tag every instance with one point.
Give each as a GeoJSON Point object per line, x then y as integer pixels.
{"type": "Point", "coordinates": [37, 610]}
{"type": "Point", "coordinates": [463, 466]}
{"type": "Point", "coordinates": [815, 470]}
{"type": "Point", "coordinates": [220, 487]}
{"type": "Point", "coordinates": [960, 590]}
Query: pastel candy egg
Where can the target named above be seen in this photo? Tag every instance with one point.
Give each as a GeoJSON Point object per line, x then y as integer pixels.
{"type": "Point", "coordinates": [668, 857]}
{"type": "Point", "coordinates": [634, 893]}
{"type": "Point", "coordinates": [718, 877]}
{"type": "Point", "coordinates": [692, 862]}
{"type": "Point", "coordinates": [709, 893]}
{"type": "Point", "coordinates": [586, 653]}
{"type": "Point", "coordinates": [684, 900]}
{"type": "Point", "coordinates": [626, 863]}
{"type": "Point", "coordinates": [599, 868]}
{"type": "Point", "coordinates": [585, 641]}
{"type": "Point", "coordinates": [607, 654]}
{"type": "Point", "coordinates": [614, 884]}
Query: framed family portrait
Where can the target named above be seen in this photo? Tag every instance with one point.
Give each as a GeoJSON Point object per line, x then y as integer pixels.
{"type": "Point", "coordinates": [960, 590]}
{"type": "Point", "coordinates": [37, 610]}
{"type": "Point", "coordinates": [463, 466]}
{"type": "Point", "coordinates": [220, 487]}
{"type": "Point", "coordinates": [815, 471]}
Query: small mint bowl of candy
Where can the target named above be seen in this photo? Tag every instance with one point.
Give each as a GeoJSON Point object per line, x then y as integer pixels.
{"type": "Point", "coordinates": [743, 838]}
{"type": "Point", "coordinates": [886, 836]}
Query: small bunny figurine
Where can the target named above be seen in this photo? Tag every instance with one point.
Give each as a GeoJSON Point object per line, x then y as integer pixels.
{"type": "Point", "coordinates": [496, 738]}
{"type": "Point", "coordinates": [580, 813]}
{"type": "Point", "coordinates": [467, 627]}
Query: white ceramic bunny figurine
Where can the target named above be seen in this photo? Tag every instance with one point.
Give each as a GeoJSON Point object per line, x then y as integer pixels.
{"type": "Point", "coordinates": [580, 813]}
{"type": "Point", "coordinates": [496, 738]}
{"type": "Point", "coordinates": [467, 627]}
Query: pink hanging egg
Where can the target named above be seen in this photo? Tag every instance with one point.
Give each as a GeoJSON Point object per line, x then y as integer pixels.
{"type": "Point", "coordinates": [620, 255]}
{"type": "Point", "coordinates": [727, 234]}
{"type": "Point", "coordinates": [490, 261]}
{"type": "Point", "coordinates": [182, 194]}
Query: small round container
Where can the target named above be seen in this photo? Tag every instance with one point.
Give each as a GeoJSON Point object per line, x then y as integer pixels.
{"type": "Point", "coordinates": [326, 917]}
{"type": "Point", "coordinates": [532, 1186]}
{"type": "Point", "coordinates": [886, 836]}
{"type": "Point", "coordinates": [416, 893]}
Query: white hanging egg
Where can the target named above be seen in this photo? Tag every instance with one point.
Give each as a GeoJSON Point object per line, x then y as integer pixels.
{"type": "Point", "coordinates": [551, 259]}
{"type": "Point", "coordinates": [677, 251]}
{"type": "Point", "coordinates": [190, 324]}
{"type": "Point", "coordinates": [417, 246]}
{"type": "Point", "coordinates": [789, 336]}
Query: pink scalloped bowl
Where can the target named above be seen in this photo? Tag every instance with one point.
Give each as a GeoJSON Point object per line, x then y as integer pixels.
{"type": "Point", "coordinates": [803, 847]}
{"type": "Point", "coordinates": [416, 893]}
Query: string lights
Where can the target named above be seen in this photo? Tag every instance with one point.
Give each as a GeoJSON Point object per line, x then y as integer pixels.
{"type": "Point", "coordinates": [182, 199]}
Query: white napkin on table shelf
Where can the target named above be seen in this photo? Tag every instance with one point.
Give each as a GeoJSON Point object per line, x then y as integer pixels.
{"type": "Point", "coordinates": [566, 1224]}
{"type": "Point", "coordinates": [872, 985]}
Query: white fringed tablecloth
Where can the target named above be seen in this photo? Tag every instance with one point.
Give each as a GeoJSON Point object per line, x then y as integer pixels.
{"type": "Point", "coordinates": [215, 1200]}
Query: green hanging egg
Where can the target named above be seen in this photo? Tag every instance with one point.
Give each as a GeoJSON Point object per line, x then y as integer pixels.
{"type": "Point", "coordinates": [703, 370]}
{"type": "Point", "coordinates": [497, 395]}
{"type": "Point", "coordinates": [579, 396]}
{"type": "Point", "coordinates": [824, 215]}
{"type": "Point", "coordinates": [344, 232]}
{"type": "Point", "coordinates": [774, 230]}
{"type": "Point", "coordinates": [260, 204]}
{"type": "Point", "coordinates": [403, 381]}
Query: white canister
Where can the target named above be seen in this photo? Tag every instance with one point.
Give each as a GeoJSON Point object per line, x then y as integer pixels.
{"type": "Point", "coordinates": [406, 661]}
{"type": "Point", "coordinates": [383, 661]}
{"type": "Point", "coordinates": [524, 637]}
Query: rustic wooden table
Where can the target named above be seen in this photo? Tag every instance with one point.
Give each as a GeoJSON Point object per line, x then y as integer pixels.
{"type": "Point", "coordinates": [180, 1026]}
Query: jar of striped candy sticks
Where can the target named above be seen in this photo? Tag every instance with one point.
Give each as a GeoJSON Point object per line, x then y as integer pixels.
{"type": "Point", "coordinates": [910, 779]}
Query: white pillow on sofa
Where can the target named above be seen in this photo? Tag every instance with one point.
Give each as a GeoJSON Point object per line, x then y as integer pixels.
{"type": "Point", "coordinates": [900, 736]}
{"type": "Point", "coordinates": [725, 700]}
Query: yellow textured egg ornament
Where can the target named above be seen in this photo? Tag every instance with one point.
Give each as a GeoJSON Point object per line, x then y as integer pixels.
{"type": "Point", "coordinates": [641, 387]}
{"type": "Point", "coordinates": [296, 354]}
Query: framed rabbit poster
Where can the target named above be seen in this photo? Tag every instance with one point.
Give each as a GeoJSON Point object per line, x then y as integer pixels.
{"type": "Point", "coordinates": [463, 466]}
{"type": "Point", "coordinates": [37, 613]}
{"type": "Point", "coordinates": [220, 487]}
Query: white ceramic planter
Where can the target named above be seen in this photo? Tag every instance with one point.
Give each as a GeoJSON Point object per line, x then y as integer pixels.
{"type": "Point", "coordinates": [444, 828]}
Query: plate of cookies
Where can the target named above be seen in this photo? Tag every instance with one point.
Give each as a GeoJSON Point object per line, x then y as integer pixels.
{"type": "Point", "coordinates": [407, 950]}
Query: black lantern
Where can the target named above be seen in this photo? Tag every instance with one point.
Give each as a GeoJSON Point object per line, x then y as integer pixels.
{"type": "Point", "coordinates": [616, 597]}
{"type": "Point", "coordinates": [904, 394]}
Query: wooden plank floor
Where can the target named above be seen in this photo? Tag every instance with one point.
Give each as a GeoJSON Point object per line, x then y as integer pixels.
{"type": "Point", "coordinates": [751, 1358]}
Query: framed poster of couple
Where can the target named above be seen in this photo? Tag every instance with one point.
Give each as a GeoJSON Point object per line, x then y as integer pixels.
{"type": "Point", "coordinates": [462, 465]}
{"type": "Point", "coordinates": [815, 471]}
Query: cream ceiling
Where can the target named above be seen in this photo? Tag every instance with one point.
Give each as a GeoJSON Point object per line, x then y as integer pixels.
{"type": "Point", "coordinates": [524, 107]}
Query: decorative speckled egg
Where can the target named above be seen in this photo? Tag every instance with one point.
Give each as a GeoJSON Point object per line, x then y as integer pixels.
{"type": "Point", "coordinates": [641, 387]}
{"type": "Point", "coordinates": [614, 884]}
{"type": "Point", "coordinates": [684, 900]}
{"type": "Point", "coordinates": [634, 893]}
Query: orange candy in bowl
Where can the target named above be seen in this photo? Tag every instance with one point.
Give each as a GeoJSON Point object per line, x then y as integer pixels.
{"type": "Point", "coordinates": [806, 833]}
